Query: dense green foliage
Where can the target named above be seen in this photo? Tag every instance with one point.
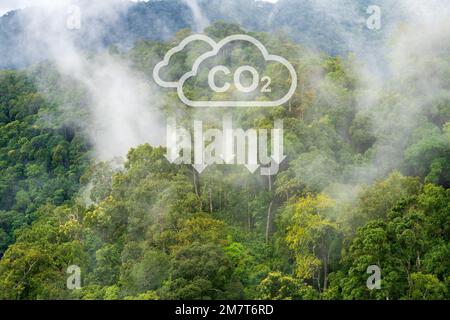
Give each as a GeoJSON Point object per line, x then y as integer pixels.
{"type": "Point", "coordinates": [39, 164]}
{"type": "Point", "coordinates": [155, 230]}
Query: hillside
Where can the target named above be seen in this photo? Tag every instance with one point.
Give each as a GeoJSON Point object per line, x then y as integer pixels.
{"type": "Point", "coordinates": [323, 27]}
{"type": "Point", "coordinates": [365, 183]}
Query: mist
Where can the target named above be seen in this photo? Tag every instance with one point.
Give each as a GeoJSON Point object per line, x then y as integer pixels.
{"type": "Point", "coordinates": [407, 62]}
{"type": "Point", "coordinates": [200, 21]}
{"type": "Point", "coordinates": [124, 107]}
{"type": "Point", "coordinates": [399, 70]}
{"type": "Point", "coordinates": [364, 183]}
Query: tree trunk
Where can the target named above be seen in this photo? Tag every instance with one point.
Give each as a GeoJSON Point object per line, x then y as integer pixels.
{"type": "Point", "coordinates": [220, 198]}
{"type": "Point", "coordinates": [210, 201]}
{"type": "Point", "coordinates": [249, 221]}
{"type": "Point", "coordinates": [196, 187]}
{"type": "Point", "coordinates": [269, 218]}
{"type": "Point", "coordinates": [325, 270]}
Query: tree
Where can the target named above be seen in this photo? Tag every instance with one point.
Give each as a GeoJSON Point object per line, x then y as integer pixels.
{"type": "Point", "coordinates": [426, 287]}
{"type": "Point", "coordinates": [277, 286]}
{"type": "Point", "coordinates": [409, 246]}
{"type": "Point", "coordinates": [199, 271]}
{"type": "Point", "coordinates": [311, 237]}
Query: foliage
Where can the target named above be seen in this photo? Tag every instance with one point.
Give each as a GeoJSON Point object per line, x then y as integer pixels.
{"type": "Point", "coordinates": [156, 230]}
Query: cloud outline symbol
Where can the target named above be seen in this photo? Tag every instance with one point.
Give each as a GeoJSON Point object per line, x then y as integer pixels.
{"type": "Point", "coordinates": [216, 47]}
{"type": "Point", "coordinates": [171, 52]}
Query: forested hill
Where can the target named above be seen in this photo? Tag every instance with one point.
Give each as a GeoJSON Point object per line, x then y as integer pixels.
{"type": "Point", "coordinates": [362, 185]}
{"type": "Point", "coordinates": [326, 28]}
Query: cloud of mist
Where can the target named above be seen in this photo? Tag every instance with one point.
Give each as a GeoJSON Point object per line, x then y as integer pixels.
{"type": "Point", "coordinates": [406, 66]}
{"type": "Point", "coordinates": [402, 70]}
{"type": "Point", "coordinates": [200, 21]}
{"type": "Point", "coordinates": [123, 106]}
{"type": "Point", "coordinates": [395, 59]}
{"type": "Point", "coordinates": [9, 5]}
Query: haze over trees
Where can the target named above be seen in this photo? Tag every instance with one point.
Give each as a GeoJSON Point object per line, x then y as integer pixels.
{"type": "Point", "coordinates": [365, 183]}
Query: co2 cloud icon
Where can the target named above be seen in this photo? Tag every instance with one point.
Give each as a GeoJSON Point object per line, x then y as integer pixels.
{"type": "Point", "coordinates": [222, 80]}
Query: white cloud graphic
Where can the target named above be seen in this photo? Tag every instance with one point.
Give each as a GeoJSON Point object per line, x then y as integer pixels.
{"type": "Point", "coordinates": [171, 52]}
{"type": "Point", "coordinates": [216, 48]}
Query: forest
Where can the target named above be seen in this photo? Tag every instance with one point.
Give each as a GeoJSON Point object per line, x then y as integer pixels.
{"type": "Point", "coordinates": [363, 184]}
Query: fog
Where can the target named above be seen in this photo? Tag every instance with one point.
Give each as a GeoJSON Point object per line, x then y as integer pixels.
{"type": "Point", "coordinates": [124, 108]}
{"type": "Point", "coordinates": [394, 59]}
{"type": "Point", "coordinates": [406, 65]}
